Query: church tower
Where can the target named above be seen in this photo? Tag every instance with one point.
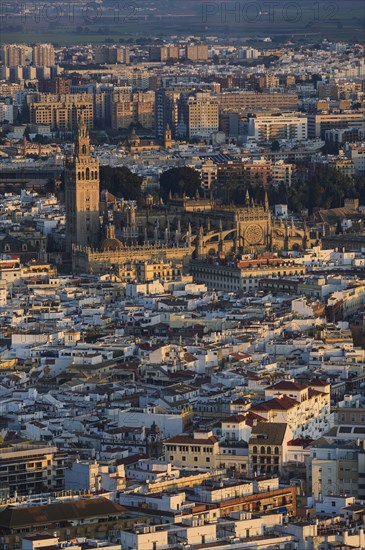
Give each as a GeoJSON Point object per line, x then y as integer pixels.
{"type": "Point", "coordinates": [82, 193]}
{"type": "Point", "coordinates": [167, 137]}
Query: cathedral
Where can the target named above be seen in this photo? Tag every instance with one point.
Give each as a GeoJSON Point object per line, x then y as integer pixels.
{"type": "Point", "coordinates": [177, 232]}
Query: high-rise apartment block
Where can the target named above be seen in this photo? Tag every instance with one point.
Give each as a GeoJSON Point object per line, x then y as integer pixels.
{"type": "Point", "coordinates": [138, 108]}
{"type": "Point", "coordinates": [43, 55]}
{"type": "Point", "coordinates": [13, 55]}
{"type": "Point", "coordinates": [166, 111]}
{"type": "Point", "coordinates": [163, 53]}
{"type": "Point", "coordinates": [198, 116]}
{"type": "Point", "coordinates": [319, 123]}
{"type": "Point", "coordinates": [198, 52]}
{"type": "Point", "coordinates": [112, 54]}
{"type": "Point", "coordinates": [61, 112]}
{"type": "Point", "coordinates": [252, 101]}
{"type": "Point", "coordinates": [278, 126]}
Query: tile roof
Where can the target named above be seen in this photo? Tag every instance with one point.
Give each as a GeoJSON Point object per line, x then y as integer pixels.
{"type": "Point", "coordinates": [272, 433]}
{"type": "Point", "coordinates": [190, 440]}
{"type": "Point", "coordinates": [16, 517]}
{"type": "Point", "coordinates": [287, 385]}
{"type": "Point", "coordinates": [283, 403]}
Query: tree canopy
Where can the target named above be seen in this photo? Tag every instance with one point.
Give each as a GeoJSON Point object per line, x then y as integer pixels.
{"type": "Point", "coordinates": [324, 189]}
{"type": "Point", "coordinates": [121, 182]}
{"type": "Point", "coordinates": [178, 181]}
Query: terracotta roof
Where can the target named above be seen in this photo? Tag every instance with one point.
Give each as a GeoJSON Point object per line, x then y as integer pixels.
{"type": "Point", "coordinates": [312, 392]}
{"type": "Point", "coordinates": [241, 401]}
{"type": "Point", "coordinates": [300, 442]}
{"type": "Point", "coordinates": [132, 459]}
{"type": "Point", "coordinates": [318, 382]}
{"type": "Point", "coordinates": [240, 355]}
{"type": "Point", "coordinates": [189, 357]}
{"type": "Point", "coordinates": [17, 517]}
{"type": "Point", "coordinates": [235, 418]}
{"type": "Point", "coordinates": [252, 417]}
{"type": "Point", "coordinates": [287, 385]}
{"type": "Point", "coordinates": [189, 439]}
{"type": "Point", "coordinates": [283, 403]}
{"type": "Point", "coordinates": [332, 215]}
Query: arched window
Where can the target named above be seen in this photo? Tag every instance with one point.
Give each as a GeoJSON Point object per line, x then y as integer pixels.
{"type": "Point", "coordinates": [24, 247]}
{"type": "Point", "coordinates": [7, 248]}
{"type": "Point", "coordinates": [84, 149]}
{"type": "Point", "coordinates": [276, 450]}
{"type": "Point", "coordinates": [83, 175]}
{"type": "Point", "coordinates": [87, 173]}
{"type": "Point", "coordinates": [254, 450]}
{"type": "Point", "coordinates": [268, 450]}
{"type": "Point", "coordinates": [262, 450]}
{"type": "Point", "coordinates": [79, 175]}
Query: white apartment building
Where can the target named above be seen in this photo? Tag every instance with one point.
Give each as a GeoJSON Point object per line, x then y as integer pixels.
{"type": "Point", "coordinates": [306, 410]}
{"type": "Point", "coordinates": [6, 112]}
{"type": "Point", "coordinates": [208, 174]}
{"type": "Point", "coordinates": [356, 152]}
{"type": "Point", "coordinates": [240, 530]}
{"type": "Point", "coordinates": [335, 468]}
{"type": "Point", "coordinates": [278, 126]}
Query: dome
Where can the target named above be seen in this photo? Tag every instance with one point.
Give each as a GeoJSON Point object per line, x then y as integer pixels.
{"type": "Point", "coordinates": [112, 244]}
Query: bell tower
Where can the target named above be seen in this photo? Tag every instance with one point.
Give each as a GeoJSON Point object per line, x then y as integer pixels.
{"type": "Point", "coordinates": [82, 193]}
{"type": "Point", "coordinates": [167, 137]}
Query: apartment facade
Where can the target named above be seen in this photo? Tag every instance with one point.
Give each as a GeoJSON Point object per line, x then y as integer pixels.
{"type": "Point", "coordinates": [196, 52]}
{"type": "Point", "coordinates": [336, 467]}
{"type": "Point", "coordinates": [198, 116]}
{"type": "Point", "coordinates": [112, 54]}
{"type": "Point", "coordinates": [199, 450]}
{"type": "Point", "coordinates": [43, 55]}
{"type": "Point", "coordinates": [235, 279]}
{"type": "Point", "coordinates": [30, 468]}
{"type": "Point", "coordinates": [63, 114]}
{"type": "Point", "coordinates": [252, 101]}
{"type": "Point", "coordinates": [13, 55]}
{"type": "Point", "coordinates": [318, 124]}
{"type": "Point", "coordinates": [281, 126]}
{"type": "Point", "coordinates": [305, 409]}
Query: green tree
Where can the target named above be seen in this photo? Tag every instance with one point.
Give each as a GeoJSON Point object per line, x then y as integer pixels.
{"type": "Point", "coordinates": [178, 181]}
{"type": "Point", "coordinates": [27, 134]}
{"type": "Point", "coordinates": [38, 138]}
{"type": "Point", "coordinates": [275, 145]}
{"type": "Point", "coordinates": [326, 188]}
{"type": "Point", "coordinates": [121, 182]}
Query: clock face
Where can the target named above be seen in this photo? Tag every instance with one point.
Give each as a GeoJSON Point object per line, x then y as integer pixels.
{"type": "Point", "coordinates": [254, 234]}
